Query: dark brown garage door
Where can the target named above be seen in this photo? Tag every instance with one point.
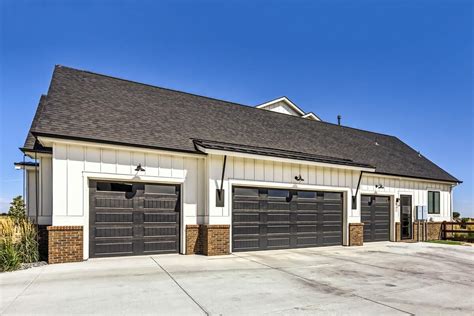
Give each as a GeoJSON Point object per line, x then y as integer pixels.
{"type": "Point", "coordinates": [277, 219]}
{"type": "Point", "coordinates": [133, 218]}
{"type": "Point", "coordinates": [375, 214]}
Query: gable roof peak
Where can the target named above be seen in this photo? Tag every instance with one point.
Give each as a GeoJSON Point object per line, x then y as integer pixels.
{"type": "Point", "coordinates": [286, 106]}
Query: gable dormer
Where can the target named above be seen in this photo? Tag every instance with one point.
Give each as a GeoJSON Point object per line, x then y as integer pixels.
{"type": "Point", "coordinates": [285, 106]}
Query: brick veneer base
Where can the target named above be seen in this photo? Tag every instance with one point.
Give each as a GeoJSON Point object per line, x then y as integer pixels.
{"type": "Point", "coordinates": [65, 244]}
{"type": "Point", "coordinates": [356, 234]}
{"type": "Point", "coordinates": [433, 231]}
{"type": "Point", "coordinates": [194, 239]}
{"type": "Point", "coordinates": [210, 240]}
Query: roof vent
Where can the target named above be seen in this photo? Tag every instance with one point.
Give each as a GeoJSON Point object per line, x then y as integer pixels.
{"type": "Point", "coordinates": [339, 119]}
{"type": "Point", "coordinates": [376, 143]}
{"type": "Point", "coordinates": [419, 154]}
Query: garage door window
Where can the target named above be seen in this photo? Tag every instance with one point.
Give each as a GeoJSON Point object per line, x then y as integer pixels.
{"type": "Point", "coordinates": [114, 187]}
{"type": "Point", "coordinates": [433, 202]}
{"type": "Point", "coordinates": [278, 193]}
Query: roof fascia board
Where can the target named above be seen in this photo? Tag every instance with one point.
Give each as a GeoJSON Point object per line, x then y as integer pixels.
{"type": "Point", "coordinates": [311, 115]}
{"type": "Point", "coordinates": [49, 141]}
{"type": "Point", "coordinates": [38, 154]}
{"type": "Point", "coordinates": [279, 159]}
{"type": "Point", "coordinates": [400, 177]}
{"type": "Point", "coordinates": [284, 99]}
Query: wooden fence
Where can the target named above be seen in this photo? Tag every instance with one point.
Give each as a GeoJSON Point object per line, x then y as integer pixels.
{"type": "Point", "coordinates": [458, 231]}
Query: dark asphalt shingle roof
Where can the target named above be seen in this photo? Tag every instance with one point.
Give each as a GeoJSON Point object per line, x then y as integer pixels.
{"type": "Point", "coordinates": [89, 106]}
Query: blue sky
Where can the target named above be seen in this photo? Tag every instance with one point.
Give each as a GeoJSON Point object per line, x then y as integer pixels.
{"type": "Point", "coordinates": [398, 67]}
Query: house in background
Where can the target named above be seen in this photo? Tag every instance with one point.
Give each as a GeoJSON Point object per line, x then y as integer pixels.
{"type": "Point", "coordinates": [126, 168]}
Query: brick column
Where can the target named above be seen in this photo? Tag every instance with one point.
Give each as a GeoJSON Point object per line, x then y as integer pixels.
{"type": "Point", "coordinates": [65, 244]}
{"type": "Point", "coordinates": [433, 231]}
{"type": "Point", "coordinates": [216, 240]}
{"type": "Point", "coordinates": [194, 240]}
{"type": "Point", "coordinates": [356, 234]}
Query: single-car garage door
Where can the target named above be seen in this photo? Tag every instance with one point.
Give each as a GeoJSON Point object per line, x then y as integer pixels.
{"type": "Point", "coordinates": [133, 218]}
{"type": "Point", "coordinates": [276, 219]}
{"type": "Point", "coordinates": [375, 214]}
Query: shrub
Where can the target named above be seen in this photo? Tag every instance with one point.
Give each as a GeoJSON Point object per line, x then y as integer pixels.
{"type": "Point", "coordinates": [18, 243]}
{"type": "Point", "coordinates": [17, 209]}
{"type": "Point", "coordinates": [456, 215]}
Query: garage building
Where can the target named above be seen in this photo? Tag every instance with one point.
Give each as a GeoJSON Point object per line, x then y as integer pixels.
{"type": "Point", "coordinates": [122, 168]}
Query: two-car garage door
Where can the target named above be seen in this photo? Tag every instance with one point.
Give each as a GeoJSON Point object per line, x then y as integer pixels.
{"type": "Point", "coordinates": [133, 218]}
{"type": "Point", "coordinates": [264, 218]}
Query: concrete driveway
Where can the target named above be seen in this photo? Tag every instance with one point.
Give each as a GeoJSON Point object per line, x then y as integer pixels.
{"type": "Point", "coordinates": [379, 278]}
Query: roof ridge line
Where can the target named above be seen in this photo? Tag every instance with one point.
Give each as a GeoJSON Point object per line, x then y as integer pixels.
{"type": "Point", "coordinates": [220, 100]}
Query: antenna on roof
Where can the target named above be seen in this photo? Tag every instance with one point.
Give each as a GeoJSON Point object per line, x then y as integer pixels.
{"type": "Point", "coordinates": [339, 119]}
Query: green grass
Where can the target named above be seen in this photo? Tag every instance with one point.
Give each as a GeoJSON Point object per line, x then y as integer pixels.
{"type": "Point", "coordinates": [445, 242]}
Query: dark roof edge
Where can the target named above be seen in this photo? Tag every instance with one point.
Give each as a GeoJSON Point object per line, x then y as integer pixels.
{"type": "Point", "coordinates": [414, 177]}
{"type": "Point", "coordinates": [46, 150]}
{"type": "Point", "coordinates": [26, 163]}
{"type": "Point", "coordinates": [220, 100]}
{"type": "Point", "coordinates": [101, 141]}
{"type": "Point", "coordinates": [424, 157]}
{"type": "Point", "coordinates": [285, 154]}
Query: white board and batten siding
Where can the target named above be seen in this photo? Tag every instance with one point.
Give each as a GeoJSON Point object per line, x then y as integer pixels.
{"type": "Point", "coordinates": [273, 173]}
{"type": "Point", "coordinates": [43, 177]}
{"type": "Point", "coordinates": [74, 165]}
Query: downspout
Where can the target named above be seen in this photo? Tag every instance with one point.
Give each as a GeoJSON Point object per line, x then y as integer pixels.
{"type": "Point", "coordinates": [222, 177]}
{"type": "Point", "coordinates": [36, 189]}
{"type": "Point", "coordinates": [354, 197]}
{"type": "Point", "coordinates": [24, 184]}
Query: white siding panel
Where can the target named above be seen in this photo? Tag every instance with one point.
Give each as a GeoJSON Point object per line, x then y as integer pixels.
{"type": "Point", "coordinates": [92, 161]}
{"type": "Point", "coordinates": [278, 171]}
{"type": "Point", "coordinates": [249, 169]}
{"type": "Point", "coordinates": [259, 170]}
{"type": "Point", "coordinates": [60, 175]}
{"type": "Point", "coordinates": [165, 166]}
{"type": "Point", "coordinates": [75, 166]}
{"type": "Point", "coordinates": [268, 171]}
{"type": "Point", "coordinates": [124, 162]}
{"type": "Point", "coordinates": [109, 162]}
{"type": "Point", "coordinates": [46, 187]}
{"type": "Point", "coordinates": [152, 163]}
{"type": "Point", "coordinates": [239, 172]}
{"type": "Point", "coordinates": [177, 167]}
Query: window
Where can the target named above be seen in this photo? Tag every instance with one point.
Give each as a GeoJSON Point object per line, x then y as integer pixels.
{"type": "Point", "coordinates": [278, 193]}
{"type": "Point", "coordinates": [116, 187]}
{"type": "Point", "coordinates": [433, 202]}
{"type": "Point", "coordinates": [306, 195]}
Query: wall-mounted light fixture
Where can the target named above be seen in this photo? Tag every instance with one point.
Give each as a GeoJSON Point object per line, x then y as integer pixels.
{"type": "Point", "coordinates": [379, 186]}
{"type": "Point", "coordinates": [299, 178]}
{"type": "Point", "coordinates": [139, 168]}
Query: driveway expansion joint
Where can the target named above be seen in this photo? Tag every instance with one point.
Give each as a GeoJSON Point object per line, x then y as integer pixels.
{"type": "Point", "coordinates": [179, 285]}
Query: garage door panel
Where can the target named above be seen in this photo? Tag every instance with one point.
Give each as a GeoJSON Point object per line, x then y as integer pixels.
{"type": "Point", "coordinates": [113, 203]}
{"type": "Point", "coordinates": [307, 241]}
{"type": "Point", "coordinates": [246, 244]}
{"type": "Point", "coordinates": [307, 217]}
{"type": "Point", "coordinates": [113, 232]}
{"type": "Point", "coordinates": [278, 229]}
{"type": "Point", "coordinates": [160, 231]}
{"type": "Point", "coordinates": [114, 217]}
{"type": "Point", "coordinates": [306, 228]}
{"type": "Point", "coordinates": [375, 214]}
{"type": "Point", "coordinates": [129, 221]}
{"type": "Point", "coordinates": [114, 248]}
{"type": "Point", "coordinates": [246, 230]}
{"type": "Point", "coordinates": [156, 246]}
{"type": "Point", "coordinates": [310, 215]}
{"type": "Point", "coordinates": [275, 217]}
{"type": "Point", "coordinates": [278, 242]}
